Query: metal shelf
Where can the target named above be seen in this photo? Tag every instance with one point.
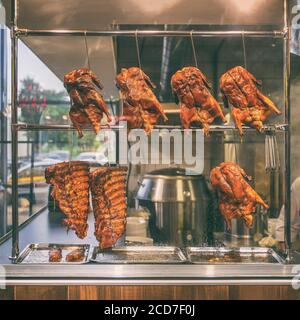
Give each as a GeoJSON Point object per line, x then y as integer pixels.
{"type": "Point", "coordinates": [221, 128]}
{"type": "Point", "coordinates": [58, 127]}
{"type": "Point", "coordinates": [213, 128]}
{"type": "Point", "coordinates": [149, 33]}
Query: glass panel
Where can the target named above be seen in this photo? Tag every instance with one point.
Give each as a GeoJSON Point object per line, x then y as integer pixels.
{"type": "Point", "coordinates": [43, 100]}
{"type": "Point", "coordinates": [36, 155]}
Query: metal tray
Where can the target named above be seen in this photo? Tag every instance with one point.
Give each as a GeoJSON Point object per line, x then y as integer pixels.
{"type": "Point", "coordinates": [139, 254]}
{"type": "Point", "coordinates": [243, 255]}
{"type": "Point", "coordinates": [38, 253]}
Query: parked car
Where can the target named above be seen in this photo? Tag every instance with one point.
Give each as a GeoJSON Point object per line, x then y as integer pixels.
{"type": "Point", "coordinates": [36, 175]}
{"type": "Point", "coordinates": [61, 155]}
{"type": "Point", "coordinates": [92, 157]}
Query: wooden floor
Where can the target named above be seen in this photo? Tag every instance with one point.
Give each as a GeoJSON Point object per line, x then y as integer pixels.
{"type": "Point", "coordinates": [149, 292]}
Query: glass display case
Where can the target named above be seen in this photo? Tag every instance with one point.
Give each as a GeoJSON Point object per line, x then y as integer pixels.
{"type": "Point", "coordinates": [173, 218]}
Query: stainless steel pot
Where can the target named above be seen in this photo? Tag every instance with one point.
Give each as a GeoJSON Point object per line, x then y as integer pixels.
{"type": "Point", "coordinates": [242, 235]}
{"type": "Point", "coordinates": [179, 206]}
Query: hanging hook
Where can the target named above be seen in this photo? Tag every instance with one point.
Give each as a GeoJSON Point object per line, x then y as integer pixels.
{"type": "Point", "coordinates": [87, 50]}
{"type": "Point", "coordinates": [137, 49]}
{"type": "Point", "coordinates": [193, 47]}
{"type": "Point", "coordinates": [244, 50]}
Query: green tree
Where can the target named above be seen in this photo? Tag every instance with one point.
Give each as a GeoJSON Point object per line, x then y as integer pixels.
{"type": "Point", "coordinates": [40, 106]}
{"type": "Point", "coordinates": [37, 103]}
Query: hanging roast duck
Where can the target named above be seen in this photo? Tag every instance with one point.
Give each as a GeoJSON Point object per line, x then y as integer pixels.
{"type": "Point", "coordinates": [87, 104]}
{"type": "Point", "coordinates": [249, 105]}
{"type": "Point", "coordinates": [197, 105]}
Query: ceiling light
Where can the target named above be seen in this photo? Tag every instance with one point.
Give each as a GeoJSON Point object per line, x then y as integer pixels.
{"type": "Point", "coordinates": [246, 6]}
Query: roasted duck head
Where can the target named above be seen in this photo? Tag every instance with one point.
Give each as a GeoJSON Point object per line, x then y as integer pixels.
{"type": "Point", "coordinates": [108, 186]}
{"type": "Point", "coordinates": [141, 109]}
{"type": "Point", "coordinates": [249, 105]}
{"type": "Point", "coordinates": [237, 199]}
{"type": "Point", "coordinates": [197, 105]}
{"type": "Point", "coordinates": [87, 104]}
{"type": "Point", "coordinates": [70, 182]}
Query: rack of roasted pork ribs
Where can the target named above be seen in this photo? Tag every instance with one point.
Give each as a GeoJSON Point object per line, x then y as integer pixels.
{"type": "Point", "coordinates": [72, 183]}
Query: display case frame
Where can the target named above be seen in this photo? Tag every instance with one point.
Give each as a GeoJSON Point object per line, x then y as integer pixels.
{"type": "Point", "coordinates": [18, 33]}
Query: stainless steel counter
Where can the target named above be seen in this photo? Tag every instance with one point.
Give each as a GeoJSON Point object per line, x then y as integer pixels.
{"type": "Point", "coordinates": [158, 274]}
{"type": "Point", "coordinates": [43, 229]}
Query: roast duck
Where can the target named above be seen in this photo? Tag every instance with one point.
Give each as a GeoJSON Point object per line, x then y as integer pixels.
{"type": "Point", "coordinates": [141, 109]}
{"type": "Point", "coordinates": [197, 105]}
{"type": "Point", "coordinates": [87, 104]}
{"type": "Point", "coordinates": [249, 105]}
{"type": "Point", "coordinates": [237, 199]}
{"type": "Point", "coordinates": [108, 187]}
{"type": "Point", "coordinates": [70, 182]}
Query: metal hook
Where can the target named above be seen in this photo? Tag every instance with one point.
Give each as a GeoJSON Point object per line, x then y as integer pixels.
{"type": "Point", "coordinates": [137, 49]}
{"type": "Point", "coordinates": [244, 50]}
{"type": "Point", "coordinates": [193, 47]}
{"type": "Point", "coordinates": [87, 50]}
{"type": "Point", "coordinates": [272, 157]}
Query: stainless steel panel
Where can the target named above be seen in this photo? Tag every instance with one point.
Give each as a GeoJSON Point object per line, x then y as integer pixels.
{"type": "Point", "coordinates": [95, 14]}
{"type": "Point", "coordinates": [139, 254]}
{"type": "Point", "coordinates": [243, 255]}
{"type": "Point", "coordinates": [131, 281]}
{"type": "Point", "coordinates": [256, 273]}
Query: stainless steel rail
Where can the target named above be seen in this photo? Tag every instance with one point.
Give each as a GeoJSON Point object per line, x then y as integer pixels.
{"type": "Point", "coordinates": [215, 128]}
{"type": "Point", "coordinates": [287, 114]}
{"type": "Point", "coordinates": [255, 272]}
{"type": "Point", "coordinates": [58, 127]}
{"type": "Point", "coordinates": [14, 132]}
{"type": "Point", "coordinates": [33, 127]}
{"type": "Point", "coordinates": [145, 282]}
{"type": "Point", "coordinates": [150, 33]}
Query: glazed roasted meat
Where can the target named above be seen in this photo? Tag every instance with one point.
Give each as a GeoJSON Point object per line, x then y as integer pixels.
{"type": "Point", "coordinates": [87, 104]}
{"type": "Point", "coordinates": [55, 255]}
{"type": "Point", "coordinates": [75, 255]}
{"type": "Point", "coordinates": [70, 182]}
{"type": "Point", "coordinates": [141, 109]}
{"type": "Point", "coordinates": [197, 105]}
{"type": "Point", "coordinates": [237, 199]}
{"type": "Point", "coordinates": [249, 105]}
{"type": "Point", "coordinates": [108, 187]}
